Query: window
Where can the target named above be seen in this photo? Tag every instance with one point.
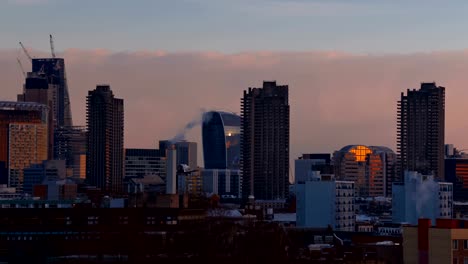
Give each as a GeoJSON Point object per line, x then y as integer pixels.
{"type": "Point", "coordinates": [454, 244]}
{"type": "Point", "coordinates": [465, 260]}
{"type": "Point", "coordinates": [465, 244]}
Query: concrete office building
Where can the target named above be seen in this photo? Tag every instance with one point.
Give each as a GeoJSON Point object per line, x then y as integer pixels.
{"type": "Point", "coordinates": [265, 142]}
{"type": "Point", "coordinates": [50, 170]}
{"type": "Point", "coordinates": [323, 201]}
{"type": "Point", "coordinates": [142, 162]}
{"type": "Point", "coordinates": [37, 89]}
{"type": "Point", "coordinates": [105, 126]}
{"type": "Point", "coordinates": [23, 139]}
{"type": "Point", "coordinates": [419, 196]}
{"type": "Point", "coordinates": [70, 146]}
{"type": "Point", "coordinates": [307, 163]}
{"type": "Point", "coordinates": [221, 140]}
{"type": "Point", "coordinates": [421, 130]}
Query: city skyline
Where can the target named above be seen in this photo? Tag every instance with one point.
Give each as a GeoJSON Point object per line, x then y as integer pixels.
{"type": "Point", "coordinates": [364, 98]}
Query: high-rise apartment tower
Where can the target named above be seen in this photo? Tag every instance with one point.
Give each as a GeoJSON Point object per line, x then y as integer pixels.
{"type": "Point", "coordinates": [421, 126]}
{"type": "Point", "coordinates": [265, 142]}
{"type": "Point", "coordinates": [105, 152]}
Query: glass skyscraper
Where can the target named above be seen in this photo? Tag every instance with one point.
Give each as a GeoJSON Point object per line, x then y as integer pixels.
{"type": "Point", "coordinates": [221, 140]}
{"type": "Point", "coordinates": [54, 70]}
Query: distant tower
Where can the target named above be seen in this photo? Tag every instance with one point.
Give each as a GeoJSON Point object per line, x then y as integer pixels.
{"type": "Point", "coordinates": [105, 123]}
{"type": "Point", "coordinates": [54, 70]}
{"type": "Point", "coordinates": [265, 142]}
{"type": "Point", "coordinates": [47, 84]}
{"type": "Point", "coordinates": [221, 140]}
{"type": "Point", "coordinates": [171, 170]}
{"type": "Point", "coordinates": [421, 126]}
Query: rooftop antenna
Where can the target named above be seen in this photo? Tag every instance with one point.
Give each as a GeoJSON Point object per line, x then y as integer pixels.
{"type": "Point", "coordinates": [52, 50]}
{"type": "Point", "coordinates": [26, 51]}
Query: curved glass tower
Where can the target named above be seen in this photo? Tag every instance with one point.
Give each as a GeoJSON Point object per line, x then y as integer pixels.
{"type": "Point", "coordinates": [221, 140]}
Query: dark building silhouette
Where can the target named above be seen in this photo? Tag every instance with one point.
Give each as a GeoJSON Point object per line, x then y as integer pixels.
{"type": "Point", "coordinates": [144, 162]}
{"type": "Point", "coordinates": [54, 70]}
{"type": "Point", "coordinates": [186, 152]}
{"type": "Point", "coordinates": [105, 152]}
{"type": "Point", "coordinates": [456, 172]}
{"type": "Point", "coordinates": [221, 140]}
{"type": "Point", "coordinates": [421, 126]}
{"type": "Point", "coordinates": [47, 84]}
{"type": "Point", "coordinates": [265, 142]}
{"type": "Point", "coordinates": [70, 146]}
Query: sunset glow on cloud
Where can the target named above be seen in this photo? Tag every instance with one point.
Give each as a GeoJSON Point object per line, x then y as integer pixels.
{"type": "Point", "coordinates": [336, 98]}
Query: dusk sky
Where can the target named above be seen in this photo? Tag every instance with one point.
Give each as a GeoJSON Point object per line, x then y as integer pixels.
{"type": "Point", "coordinates": [346, 62]}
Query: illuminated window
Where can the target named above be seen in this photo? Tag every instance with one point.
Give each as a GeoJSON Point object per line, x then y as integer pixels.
{"type": "Point", "coordinates": [360, 152]}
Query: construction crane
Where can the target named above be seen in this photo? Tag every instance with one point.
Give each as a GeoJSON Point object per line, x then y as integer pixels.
{"type": "Point", "coordinates": [52, 46]}
{"type": "Point", "coordinates": [26, 51]}
{"type": "Point", "coordinates": [21, 67]}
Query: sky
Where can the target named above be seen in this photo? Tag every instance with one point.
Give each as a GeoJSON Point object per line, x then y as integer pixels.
{"type": "Point", "coordinates": [362, 26]}
{"type": "Point", "coordinates": [346, 62]}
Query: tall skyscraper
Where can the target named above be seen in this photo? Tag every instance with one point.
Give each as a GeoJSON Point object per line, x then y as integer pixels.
{"type": "Point", "coordinates": [54, 70]}
{"type": "Point", "coordinates": [221, 140]}
{"type": "Point", "coordinates": [265, 142]}
{"type": "Point", "coordinates": [38, 89]}
{"type": "Point", "coordinates": [23, 139]}
{"type": "Point", "coordinates": [421, 126]}
{"type": "Point", "coordinates": [105, 152]}
{"type": "Point", "coordinates": [47, 84]}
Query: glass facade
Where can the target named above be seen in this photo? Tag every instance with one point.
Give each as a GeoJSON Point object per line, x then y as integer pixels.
{"type": "Point", "coordinates": [54, 69]}
{"type": "Point", "coordinates": [372, 169]}
{"type": "Point", "coordinates": [27, 146]}
{"type": "Point", "coordinates": [23, 139]}
{"type": "Point", "coordinates": [221, 140]}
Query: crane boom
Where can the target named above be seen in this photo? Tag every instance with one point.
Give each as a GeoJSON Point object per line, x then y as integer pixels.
{"type": "Point", "coordinates": [25, 51]}
{"type": "Point", "coordinates": [52, 46]}
{"type": "Point", "coordinates": [21, 67]}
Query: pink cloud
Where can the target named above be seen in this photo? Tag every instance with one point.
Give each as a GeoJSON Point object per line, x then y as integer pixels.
{"type": "Point", "coordinates": [336, 98]}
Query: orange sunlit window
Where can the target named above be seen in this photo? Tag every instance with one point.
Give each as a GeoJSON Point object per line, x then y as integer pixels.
{"type": "Point", "coordinates": [360, 152]}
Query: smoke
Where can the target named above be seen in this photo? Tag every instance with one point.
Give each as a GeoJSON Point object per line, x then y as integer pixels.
{"type": "Point", "coordinates": [202, 116]}
{"type": "Point", "coordinates": [424, 194]}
